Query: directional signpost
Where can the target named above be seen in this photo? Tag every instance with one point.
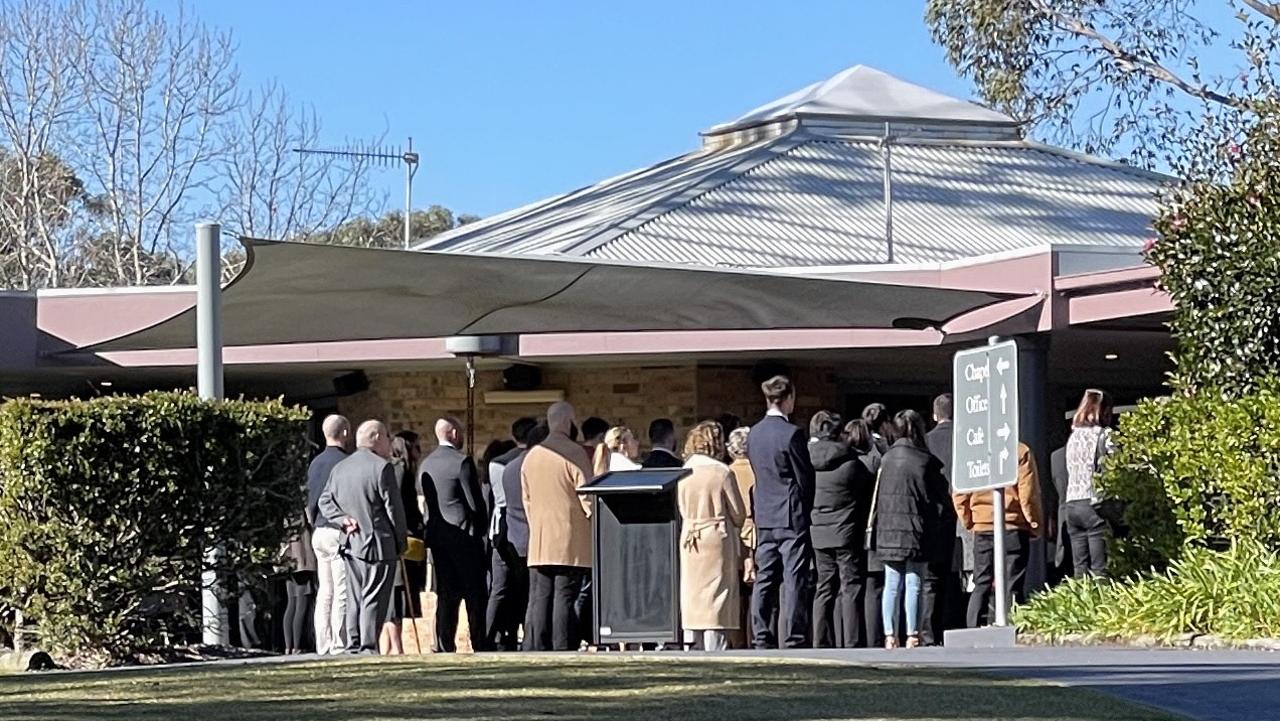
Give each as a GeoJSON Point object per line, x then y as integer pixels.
{"type": "Point", "coordinates": [985, 449]}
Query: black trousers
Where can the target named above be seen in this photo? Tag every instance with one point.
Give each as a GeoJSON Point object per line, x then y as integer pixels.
{"type": "Point", "coordinates": [551, 622]}
{"type": "Point", "coordinates": [508, 596]}
{"type": "Point", "coordinates": [873, 618]}
{"type": "Point", "coordinates": [460, 578]}
{"type": "Point", "coordinates": [1017, 549]}
{"type": "Point", "coordinates": [840, 576]}
{"type": "Point", "coordinates": [1088, 533]}
{"type": "Point", "coordinates": [782, 584]}
{"type": "Point", "coordinates": [934, 602]}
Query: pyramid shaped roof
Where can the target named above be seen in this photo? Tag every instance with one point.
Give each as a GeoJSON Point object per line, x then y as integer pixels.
{"type": "Point", "coordinates": [864, 93]}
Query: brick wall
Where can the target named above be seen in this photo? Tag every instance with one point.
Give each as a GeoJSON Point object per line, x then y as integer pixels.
{"type": "Point", "coordinates": [627, 395]}
{"type": "Point", "coordinates": [619, 394]}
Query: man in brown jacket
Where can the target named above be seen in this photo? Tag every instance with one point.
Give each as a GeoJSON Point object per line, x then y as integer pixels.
{"type": "Point", "coordinates": [1022, 522]}
{"type": "Point", "coordinates": [559, 532]}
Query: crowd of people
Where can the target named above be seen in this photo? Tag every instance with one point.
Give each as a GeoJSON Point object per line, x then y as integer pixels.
{"type": "Point", "coordinates": [838, 534]}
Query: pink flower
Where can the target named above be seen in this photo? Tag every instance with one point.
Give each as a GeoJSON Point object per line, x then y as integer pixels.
{"type": "Point", "coordinates": [1148, 246]}
{"type": "Point", "coordinates": [1234, 149]}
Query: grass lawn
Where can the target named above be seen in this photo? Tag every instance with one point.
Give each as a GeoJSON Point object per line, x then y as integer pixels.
{"type": "Point", "coordinates": [541, 687]}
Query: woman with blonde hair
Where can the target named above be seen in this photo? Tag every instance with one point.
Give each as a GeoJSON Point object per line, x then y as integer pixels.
{"type": "Point", "coordinates": [620, 451]}
{"type": "Point", "coordinates": [711, 553]}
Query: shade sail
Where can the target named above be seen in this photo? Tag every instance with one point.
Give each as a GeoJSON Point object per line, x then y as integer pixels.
{"type": "Point", "coordinates": [306, 293]}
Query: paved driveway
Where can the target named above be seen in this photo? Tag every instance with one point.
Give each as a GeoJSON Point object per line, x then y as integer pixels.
{"type": "Point", "coordinates": [1204, 685]}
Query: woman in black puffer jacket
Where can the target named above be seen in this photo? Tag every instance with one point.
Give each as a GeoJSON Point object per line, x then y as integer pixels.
{"type": "Point", "coordinates": [906, 523]}
{"type": "Point", "coordinates": [841, 503]}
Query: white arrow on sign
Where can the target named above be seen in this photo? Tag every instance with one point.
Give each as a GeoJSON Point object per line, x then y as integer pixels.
{"type": "Point", "coordinates": [1002, 365]}
{"type": "Point", "coordinates": [1004, 432]}
{"type": "Point", "coordinates": [1004, 456]}
{"type": "Point", "coordinates": [1004, 395]}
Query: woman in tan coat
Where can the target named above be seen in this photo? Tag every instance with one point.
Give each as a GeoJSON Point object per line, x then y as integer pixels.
{"type": "Point", "coordinates": [710, 540]}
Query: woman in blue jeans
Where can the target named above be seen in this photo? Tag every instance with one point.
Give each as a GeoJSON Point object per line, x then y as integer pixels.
{"type": "Point", "coordinates": [906, 521]}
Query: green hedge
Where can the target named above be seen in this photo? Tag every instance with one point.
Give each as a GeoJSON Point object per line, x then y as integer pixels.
{"type": "Point", "coordinates": [1196, 471]}
{"type": "Point", "coordinates": [1233, 594]}
{"type": "Point", "coordinates": [106, 506]}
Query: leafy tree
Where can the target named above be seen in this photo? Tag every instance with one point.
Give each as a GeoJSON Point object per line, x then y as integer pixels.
{"type": "Point", "coordinates": [1130, 78]}
{"type": "Point", "coordinates": [121, 125]}
{"type": "Point", "coordinates": [388, 231]}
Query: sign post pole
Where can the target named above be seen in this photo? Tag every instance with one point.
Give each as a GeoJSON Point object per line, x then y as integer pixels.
{"type": "Point", "coordinates": [1001, 580]}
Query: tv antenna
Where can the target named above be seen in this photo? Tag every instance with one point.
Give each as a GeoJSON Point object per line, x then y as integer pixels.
{"type": "Point", "coordinates": [382, 157]}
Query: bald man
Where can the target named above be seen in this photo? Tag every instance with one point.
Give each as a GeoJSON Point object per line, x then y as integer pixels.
{"type": "Point", "coordinates": [456, 524]}
{"type": "Point", "coordinates": [326, 539]}
{"type": "Point", "coordinates": [559, 533]}
{"type": "Point", "coordinates": [362, 498]}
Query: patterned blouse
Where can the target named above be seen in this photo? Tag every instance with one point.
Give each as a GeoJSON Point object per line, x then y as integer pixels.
{"type": "Point", "coordinates": [1082, 452]}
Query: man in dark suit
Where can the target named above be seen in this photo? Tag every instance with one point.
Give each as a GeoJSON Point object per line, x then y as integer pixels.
{"type": "Point", "coordinates": [662, 438]}
{"type": "Point", "coordinates": [326, 541]}
{"type": "Point", "coordinates": [363, 499]}
{"type": "Point", "coordinates": [941, 585]}
{"type": "Point", "coordinates": [517, 603]}
{"type": "Point", "coordinates": [784, 492]}
{"type": "Point", "coordinates": [508, 575]}
{"type": "Point", "coordinates": [1054, 521]}
{"type": "Point", "coordinates": [455, 533]}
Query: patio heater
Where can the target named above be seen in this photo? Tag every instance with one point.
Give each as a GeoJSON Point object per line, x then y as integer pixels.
{"type": "Point", "coordinates": [470, 347]}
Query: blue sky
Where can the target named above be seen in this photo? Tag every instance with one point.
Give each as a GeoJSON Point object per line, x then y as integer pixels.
{"type": "Point", "coordinates": [510, 101]}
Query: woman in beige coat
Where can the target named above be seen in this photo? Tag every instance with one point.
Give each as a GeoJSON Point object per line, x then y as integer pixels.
{"type": "Point", "coordinates": [710, 541]}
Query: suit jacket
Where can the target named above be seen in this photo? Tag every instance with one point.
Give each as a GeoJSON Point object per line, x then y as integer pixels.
{"type": "Point", "coordinates": [1054, 493]}
{"type": "Point", "coordinates": [450, 483]}
{"type": "Point", "coordinates": [784, 490]}
{"type": "Point", "coordinates": [516, 523]}
{"type": "Point", "coordinates": [939, 441]}
{"type": "Point", "coordinates": [661, 458]}
{"type": "Point", "coordinates": [363, 487]}
{"type": "Point", "coordinates": [559, 519]}
{"type": "Point", "coordinates": [317, 477]}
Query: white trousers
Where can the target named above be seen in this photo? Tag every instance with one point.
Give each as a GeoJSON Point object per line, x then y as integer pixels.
{"type": "Point", "coordinates": [713, 639]}
{"type": "Point", "coordinates": [331, 592]}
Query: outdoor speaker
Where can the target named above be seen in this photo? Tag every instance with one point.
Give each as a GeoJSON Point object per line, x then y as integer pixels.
{"type": "Point", "coordinates": [522, 377]}
{"type": "Point", "coordinates": [351, 383]}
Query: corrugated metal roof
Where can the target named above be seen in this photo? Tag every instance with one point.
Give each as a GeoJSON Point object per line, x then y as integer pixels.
{"type": "Point", "coordinates": [822, 203]}
{"type": "Point", "coordinates": [802, 200]}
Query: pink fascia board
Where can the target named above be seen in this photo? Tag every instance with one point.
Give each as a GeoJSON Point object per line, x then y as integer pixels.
{"type": "Point", "coordinates": [724, 341]}
{"type": "Point", "coordinates": [1117, 304]}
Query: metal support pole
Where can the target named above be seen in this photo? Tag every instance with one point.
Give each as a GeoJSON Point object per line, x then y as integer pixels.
{"type": "Point", "coordinates": [410, 169]}
{"type": "Point", "coordinates": [888, 195]}
{"type": "Point", "coordinates": [213, 613]}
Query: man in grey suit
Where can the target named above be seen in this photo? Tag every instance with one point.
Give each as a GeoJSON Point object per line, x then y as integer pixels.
{"type": "Point", "coordinates": [363, 499]}
{"type": "Point", "coordinates": [456, 526]}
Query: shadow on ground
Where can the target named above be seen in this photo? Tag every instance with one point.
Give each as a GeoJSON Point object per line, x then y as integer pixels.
{"type": "Point", "coordinates": [571, 688]}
